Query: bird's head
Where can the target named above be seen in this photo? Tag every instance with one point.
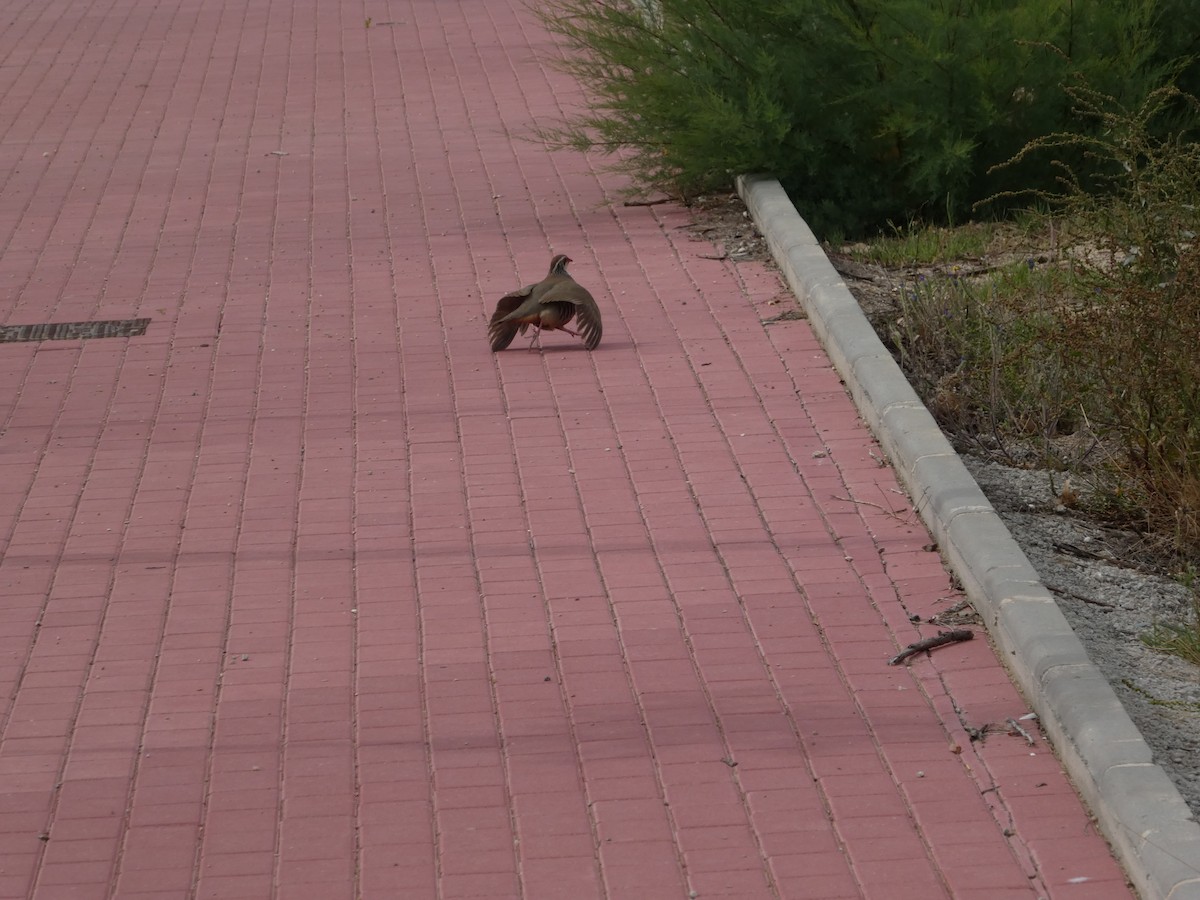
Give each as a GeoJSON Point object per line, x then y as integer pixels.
{"type": "Point", "coordinates": [558, 265]}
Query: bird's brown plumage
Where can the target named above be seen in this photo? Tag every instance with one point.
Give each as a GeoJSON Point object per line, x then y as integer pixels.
{"type": "Point", "coordinates": [549, 305]}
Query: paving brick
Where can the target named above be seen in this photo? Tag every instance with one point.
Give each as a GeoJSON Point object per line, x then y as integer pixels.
{"type": "Point", "coordinates": [561, 877]}
{"type": "Point", "coordinates": [646, 866]}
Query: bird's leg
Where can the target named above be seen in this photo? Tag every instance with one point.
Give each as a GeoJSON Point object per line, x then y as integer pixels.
{"type": "Point", "coordinates": [536, 339]}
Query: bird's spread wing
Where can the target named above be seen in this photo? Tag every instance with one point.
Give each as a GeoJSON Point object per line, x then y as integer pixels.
{"type": "Point", "coordinates": [500, 332]}
{"type": "Point", "coordinates": [587, 313]}
{"type": "Point", "coordinates": [508, 303]}
{"type": "Point", "coordinates": [587, 320]}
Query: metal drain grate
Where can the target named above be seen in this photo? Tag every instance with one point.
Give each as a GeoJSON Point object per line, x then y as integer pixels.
{"type": "Point", "coordinates": [65, 331]}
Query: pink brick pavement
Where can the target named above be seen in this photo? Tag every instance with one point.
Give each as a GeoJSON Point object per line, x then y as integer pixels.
{"type": "Point", "coordinates": [306, 594]}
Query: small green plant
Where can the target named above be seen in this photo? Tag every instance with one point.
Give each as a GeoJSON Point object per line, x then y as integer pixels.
{"type": "Point", "coordinates": [1189, 577]}
{"type": "Point", "coordinates": [924, 245]}
{"type": "Point", "coordinates": [1180, 639]}
{"type": "Point", "coordinates": [1158, 701]}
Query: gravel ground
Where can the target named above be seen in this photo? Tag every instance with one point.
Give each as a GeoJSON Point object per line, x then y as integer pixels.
{"type": "Point", "coordinates": [1099, 574]}
{"type": "Point", "coordinates": [1110, 605]}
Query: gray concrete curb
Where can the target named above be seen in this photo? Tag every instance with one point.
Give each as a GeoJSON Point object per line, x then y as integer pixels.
{"type": "Point", "coordinates": [1139, 809]}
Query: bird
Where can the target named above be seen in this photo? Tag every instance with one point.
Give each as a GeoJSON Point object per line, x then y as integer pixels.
{"type": "Point", "coordinates": [549, 305]}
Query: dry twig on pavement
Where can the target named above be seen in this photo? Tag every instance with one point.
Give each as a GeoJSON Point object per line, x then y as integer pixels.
{"type": "Point", "coordinates": [942, 637]}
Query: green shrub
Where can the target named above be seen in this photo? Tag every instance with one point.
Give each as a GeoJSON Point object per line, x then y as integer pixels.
{"type": "Point", "coordinates": [1132, 330]}
{"type": "Point", "coordinates": [866, 110]}
{"type": "Point", "coordinates": [1107, 334]}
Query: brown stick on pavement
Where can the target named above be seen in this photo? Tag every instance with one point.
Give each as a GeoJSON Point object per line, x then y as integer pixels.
{"type": "Point", "coordinates": [940, 639]}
